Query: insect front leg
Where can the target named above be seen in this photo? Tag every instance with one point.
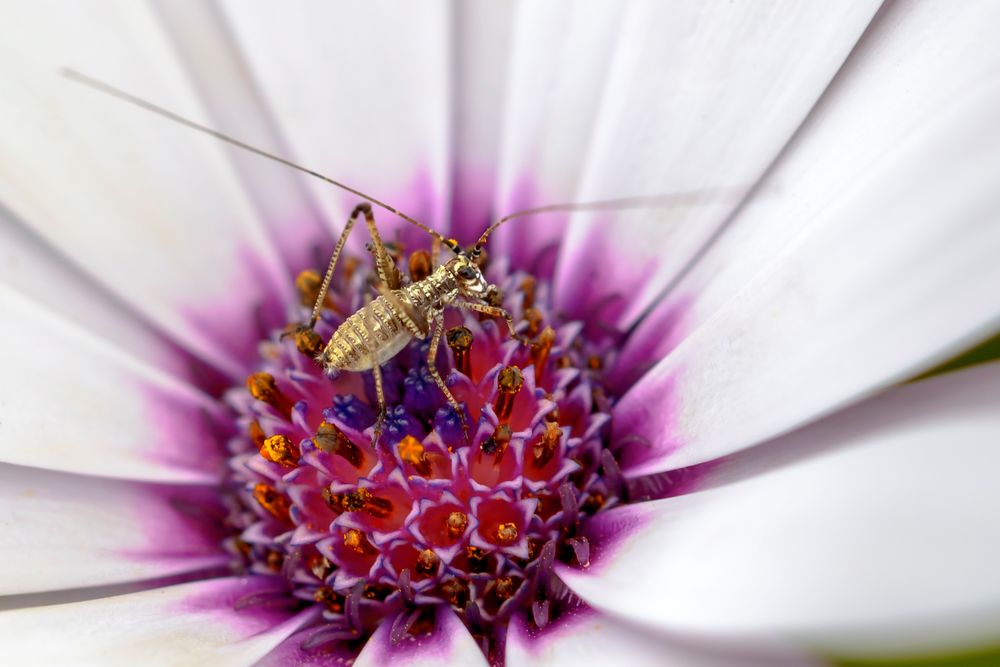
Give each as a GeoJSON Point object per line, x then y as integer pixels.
{"type": "Point", "coordinates": [436, 331]}
{"type": "Point", "coordinates": [493, 311]}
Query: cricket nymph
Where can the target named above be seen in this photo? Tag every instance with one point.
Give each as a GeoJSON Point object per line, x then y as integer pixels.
{"type": "Point", "coordinates": [379, 331]}
{"type": "Point", "coordinates": [383, 327]}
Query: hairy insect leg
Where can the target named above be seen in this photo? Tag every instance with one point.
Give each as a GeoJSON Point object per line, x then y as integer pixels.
{"type": "Point", "coordinates": [385, 267]}
{"type": "Point", "coordinates": [325, 286]}
{"type": "Point", "coordinates": [376, 371]}
{"type": "Point", "coordinates": [495, 312]}
{"type": "Point", "coordinates": [436, 330]}
{"type": "Point", "coordinates": [435, 253]}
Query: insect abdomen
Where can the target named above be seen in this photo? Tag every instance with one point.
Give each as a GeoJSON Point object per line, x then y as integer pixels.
{"type": "Point", "coordinates": [375, 330]}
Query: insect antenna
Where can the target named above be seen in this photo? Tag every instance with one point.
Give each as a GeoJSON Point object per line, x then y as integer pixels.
{"type": "Point", "coordinates": [108, 89]}
{"type": "Point", "coordinates": [660, 201]}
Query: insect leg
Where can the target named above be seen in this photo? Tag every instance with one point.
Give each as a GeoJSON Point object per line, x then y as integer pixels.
{"type": "Point", "coordinates": [495, 312]}
{"type": "Point", "coordinates": [325, 286]}
{"type": "Point", "coordinates": [435, 253]}
{"type": "Point", "coordinates": [386, 269]}
{"type": "Point", "coordinates": [436, 332]}
{"type": "Point", "coordinates": [376, 371]}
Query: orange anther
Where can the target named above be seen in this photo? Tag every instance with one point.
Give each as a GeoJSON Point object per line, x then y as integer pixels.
{"type": "Point", "coordinates": [279, 449]}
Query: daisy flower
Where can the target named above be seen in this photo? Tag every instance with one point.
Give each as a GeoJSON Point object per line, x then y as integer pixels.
{"type": "Point", "coordinates": [722, 434]}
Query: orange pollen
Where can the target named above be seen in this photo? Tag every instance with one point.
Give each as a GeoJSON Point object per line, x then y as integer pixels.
{"type": "Point", "coordinates": [497, 443]}
{"type": "Point", "coordinates": [457, 523]}
{"type": "Point", "coordinates": [326, 596]}
{"type": "Point", "coordinates": [334, 501]}
{"type": "Point", "coordinates": [456, 591]}
{"type": "Point", "coordinates": [257, 435]}
{"type": "Point", "coordinates": [528, 289]}
{"type": "Point", "coordinates": [546, 445]}
{"type": "Point", "coordinates": [477, 558]}
{"type": "Point", "coordinates": [307, 341]}
{"type": "Point", "coordinates": [594, 363]}
{"type": "Point", "coordinates": [427, 562]}
{"type": "Point", "coordinates": [412, 452]}
{"type": "Point", "coordinates": [460, 341]}
{"type": "Point", "coordinates": [263, 387]}
{"type": "Point", "coordinates": [362, 500]}
{"type": "Point", "coordinates": [506, 533]}
{"type": "Point", "coordinates": [420, 265]}
{"type": "Point", "coordinates": [534, 318]}
{"type": "Point", "coordinates": [356, 541]}
{"type": "Point", "coordinates": [541, 348]}
{"type": "Point", "coordinates": [553, 414]}
{"type": "Point", "coordinates": [272, 501]}
{"type": "Point", "coordinates": [308, 284]}
{"type": "Point", "coordinates": [509, 382]}
{"type": "Point", "coordinates": [279, 449]}
{"type": "Point", "coordinates": [504, 588]}
{"type": "Point", "coordinates": [332, 440]}
{"type": "Point", "coordinates": [274, 560]}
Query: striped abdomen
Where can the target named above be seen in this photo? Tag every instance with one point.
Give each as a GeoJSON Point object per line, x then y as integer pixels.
{"type": "Point", "coordinates": [379, 330]}
{"type": "Point", "coordinates": [375, 330]}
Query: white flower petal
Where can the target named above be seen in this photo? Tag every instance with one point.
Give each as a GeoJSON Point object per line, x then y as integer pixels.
{"type": "Point", "coordinates": [361, 92]}
{"type": "Point", "coordinates": [449, 644]}
{"type": "Point", "coordinates": [31, 267]}
{"type": "Point", "coordinates": [70, 531]}
{"type": "Point", "coordinates": [216, 65]}
{"type": "Point", "coordinates": [148, 208]}
{"type": "Point", "coordinates": [481, 37]}
{"type": "Point", "coordinates": [188, 624]}
{"type": "Point", "coordinates": [700, 97]}
{"type": "Point", "coordinates": [880, 516]}
{"type": "Point", "coordinates": [559, 57]}
{"type": "Point", "coordinates": [72, 402]}
{"type": "Point", "coordinates": [897, 277]}
{"type": "Point", "coordinates": [588, 637]}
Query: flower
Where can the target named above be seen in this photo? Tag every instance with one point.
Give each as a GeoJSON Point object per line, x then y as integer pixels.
{"type": "Point", "coordinates": [830, 509]}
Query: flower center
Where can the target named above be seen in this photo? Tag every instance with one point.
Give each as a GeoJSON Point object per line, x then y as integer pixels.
{"type": "Point", "coordinates": [469, 511]}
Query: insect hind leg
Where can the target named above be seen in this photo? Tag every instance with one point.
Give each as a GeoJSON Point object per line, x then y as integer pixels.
{"type": "Point", "coordinates": [384, 265]}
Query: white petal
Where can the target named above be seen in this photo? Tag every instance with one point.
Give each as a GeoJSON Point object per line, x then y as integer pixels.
{"type": "Point", "coordinates": [449, 644]}
{"type": "Point", "coordinates": [912, 65]}
{"type": "Point", "coordinates": [35, 269]}
{"type": "Point", "coordinates": [189, 624]}
{"type": "Point", "coordinates": [701, 96]}
{"type": "Point", "coordinates": [588, 637]}
{"type": "Point", "coordinates": [216, 65]}
{"type": "Point", "coordinates": [897, 277]}
{"type": "Point", "coordinates": [70, 531]}
{"type": "Point", "coordinates": [72, 402]}
{"type": "Point", "coordinates": [361, 92]}
{"type": "Point", "coordinates": [481, 37]}
{"type": "Point", "coordinates": [879, 517]}
{"type": "Point", "coordinates": [559, 54]}
{"type": "Point", "coordinates": [150, 209]}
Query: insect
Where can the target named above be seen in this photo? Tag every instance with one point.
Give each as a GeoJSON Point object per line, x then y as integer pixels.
{"type": "Point", "coordinates": [402, 311]}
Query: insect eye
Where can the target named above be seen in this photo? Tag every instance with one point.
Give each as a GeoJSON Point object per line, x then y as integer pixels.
{"type": "Point", "coordinates": [467, 273]}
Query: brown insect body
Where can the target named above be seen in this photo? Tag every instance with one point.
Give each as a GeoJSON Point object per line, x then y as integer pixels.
{"type": "Point", "coordinates": [381, 329]}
